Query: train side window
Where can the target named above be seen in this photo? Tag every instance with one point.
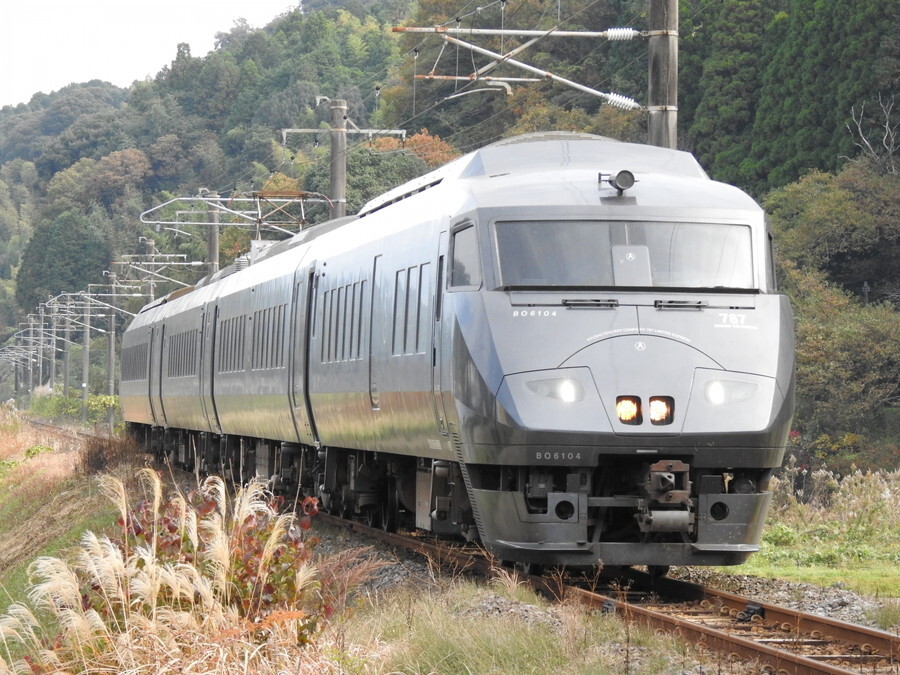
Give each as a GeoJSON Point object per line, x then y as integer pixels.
{"type": "Point", "coordinates": [413, 307]}
{"type": "Point", "coordinates": [400, 305]}
{"type": "Point", "coordinates": [423, 328]}
{"type": "Point", "coordinates": [439, 293]}
{"type": "Point", "coordinates": [465, 267]}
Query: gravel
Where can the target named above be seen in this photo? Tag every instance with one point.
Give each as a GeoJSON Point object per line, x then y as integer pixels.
{"type": "Point", "coordinates": [832, 601]}
{"type": "Point", "coordinates": [402, 567]}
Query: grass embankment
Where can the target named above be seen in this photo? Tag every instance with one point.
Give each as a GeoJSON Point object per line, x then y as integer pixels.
{"type": "Point", "coordinates": [46, 498]}
{"type": "Point", "coordinates": [828, 530]}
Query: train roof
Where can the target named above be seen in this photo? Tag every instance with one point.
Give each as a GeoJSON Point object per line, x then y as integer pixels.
{"type": "Point", "coordinates": [545, 151]}
{"type": "Point", "coordinates": [537, 153]}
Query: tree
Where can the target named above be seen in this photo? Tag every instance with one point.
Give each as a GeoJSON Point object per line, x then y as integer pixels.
{"type": "Point", "coordinates": [880, 153]}
{"type": "Point", "coordinates": [430, 149]}
{"type": "Point", "coordinates": [848, 357]}
{"type": "Point", "coordinates": [823, 59]}
{"type": "Point", "coordinates": [723, 120]}
{"type": "Point", "coordinates": [369, 174]}
{"type": "Point", "coordinates": [119, 170]}
{"type": "Point", "coordinates": [72, 189]}
{"type": "Point", "coordinates": [65, 254]}
{"type": "Point", "coordinates": [846, 225]}
{"type": "Point", "coordinates": [93, 136]}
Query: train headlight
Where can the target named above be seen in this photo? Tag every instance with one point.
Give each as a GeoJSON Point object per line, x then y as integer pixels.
{"type": "Point", "coordinates": [628, 409]}
{"type": "Point", "coordinates": [662, 409]}
{"type": "Point", "coordinates": [565, 389]}
{"type": "Point", "coordinates": [720, 392]}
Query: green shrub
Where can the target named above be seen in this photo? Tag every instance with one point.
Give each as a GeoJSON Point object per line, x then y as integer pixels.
{"type": "Point", "coordinates": [70, 408]}
{"type": "Point", "coordinates": [36, 450]}
{"type": "Point", "coordinates": [7, 465]}
{"type": "Point", "coordinates": [779, 534]}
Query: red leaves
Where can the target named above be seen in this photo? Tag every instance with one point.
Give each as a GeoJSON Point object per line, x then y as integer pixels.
{"type": "Point", "coordinates": [309, 506]}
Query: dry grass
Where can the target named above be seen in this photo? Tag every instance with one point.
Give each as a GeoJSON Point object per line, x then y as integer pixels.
{"type": "Point", "coordinates": [43, 492]}
{"type": "Point", "coordinates": [466, 627]}
{"type": "Point", "coordinates": [196, 584]}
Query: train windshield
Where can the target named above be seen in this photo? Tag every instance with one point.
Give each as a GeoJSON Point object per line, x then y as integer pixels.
{"type": "Point", "coordinates": [581, 253]}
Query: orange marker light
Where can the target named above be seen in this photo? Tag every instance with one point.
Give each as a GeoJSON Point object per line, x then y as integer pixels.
{"type": "Point", "coordinates": [662, 409]}
{"type": "Point", "coordinates": [628, 409]}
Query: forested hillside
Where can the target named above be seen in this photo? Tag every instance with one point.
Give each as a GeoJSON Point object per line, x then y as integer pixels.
{"type": "Point", "coordinates": [793, 100]}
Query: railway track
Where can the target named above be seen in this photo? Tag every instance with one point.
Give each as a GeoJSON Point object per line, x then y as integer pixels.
{"type": "Point", "coordinates": [52, 427]}
{"type": "Point", "coordinates": [781, 640]}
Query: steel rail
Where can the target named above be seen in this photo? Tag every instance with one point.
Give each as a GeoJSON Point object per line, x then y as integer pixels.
{"type": "Point", "coordinates": [873, 642]}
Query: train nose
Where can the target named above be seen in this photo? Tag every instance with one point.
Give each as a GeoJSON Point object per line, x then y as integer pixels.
{"type": "Point", "coordinates": [649, 376]}
{"type": "Point", "coordinates": [638, 385]}
{"type": "Point", "coordinates": [644, 382]}
{"type": "Point", "coordinates": [658, 385]}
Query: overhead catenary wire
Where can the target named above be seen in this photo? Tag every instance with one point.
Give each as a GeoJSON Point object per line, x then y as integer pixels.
{"type": "Point", "coordinates": [417, 111]}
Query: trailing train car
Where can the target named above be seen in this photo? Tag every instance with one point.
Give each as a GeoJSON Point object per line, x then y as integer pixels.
{"type": "Point", "coordinates": [566, 347]}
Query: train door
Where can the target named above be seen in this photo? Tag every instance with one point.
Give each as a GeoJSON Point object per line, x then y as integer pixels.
{"type": "Point", "coordinates": [376, 330]}
{"type": "Point", "coordinates": [157, 338]}
{"type": "Point", "coordinates": [439, 344]}
{"type": "Point", "coordinates": [208, 323]}
{"type": "Point", "coordinates": [303, 318]}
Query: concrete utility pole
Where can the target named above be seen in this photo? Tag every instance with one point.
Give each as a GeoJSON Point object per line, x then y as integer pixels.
{"type": "Point", "coordinates": [52, 375]}
{"type": "Point", "coordinates": [66, 352]}
{"type": "Point", "coordinates": [111, 353]}
{"type": "Point", "coordinates": [338, 177]}
{"type": "Point", "coordinates": [212, 253]}
{"type": "Point", "coordinates": [31, 357]}
{"type": "Point", "coordinates": [86, 362]}
{"type": "Point", "coordinates": [662, 94]}
{"type": "Point", "coordinates": [338, 185]}
{"type": "Point", "coordinates": [40, 347]}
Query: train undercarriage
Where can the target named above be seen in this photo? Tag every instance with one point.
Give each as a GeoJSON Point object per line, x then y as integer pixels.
{"type": "Point", "coordinates": [626, 512]}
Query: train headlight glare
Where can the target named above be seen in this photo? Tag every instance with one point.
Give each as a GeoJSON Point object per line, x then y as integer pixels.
{"type": "Point", "coordinates": [715, 392]}
{"type": "Point", "coordinates": [662, 409]}
{"type": "Point", "coordinates": [565, 389]}
{"type": "Point", "coordinates": [628, 409]}
{"type": "Point", "coordinates": [719, 392]}
{"type": "Point", "coordinates": [568, 391]}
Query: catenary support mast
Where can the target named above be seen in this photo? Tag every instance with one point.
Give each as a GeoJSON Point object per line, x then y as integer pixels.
{"type": "Point", "coordinates": [662, 94]}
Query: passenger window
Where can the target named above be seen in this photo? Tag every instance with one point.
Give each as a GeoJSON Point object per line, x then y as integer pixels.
{"type": "Point", "coordinates": [465, 268]}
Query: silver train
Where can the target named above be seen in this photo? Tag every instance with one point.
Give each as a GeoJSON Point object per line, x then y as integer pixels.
{"type": "Point", "coordinates": [566, 347]}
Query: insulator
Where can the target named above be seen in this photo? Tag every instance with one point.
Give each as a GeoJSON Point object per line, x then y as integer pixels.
{"type": "Point", "coordinates": [623, 102]}
{"type": "Point", "coordinates": [620, 34]}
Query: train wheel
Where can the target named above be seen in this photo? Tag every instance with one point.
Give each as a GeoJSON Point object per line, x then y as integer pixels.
{"type": "Point", "coordinates": [372, 515]}
{"type": "Point", "coordinates": [390, 507]}
{"type": "Point", "coordinates": [530, 569]}
{"type": "Point", "coordinates": [657, 571]}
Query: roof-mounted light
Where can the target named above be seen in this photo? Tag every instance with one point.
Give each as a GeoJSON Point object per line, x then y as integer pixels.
{"type": "Point", "coordinates": [621, 181]}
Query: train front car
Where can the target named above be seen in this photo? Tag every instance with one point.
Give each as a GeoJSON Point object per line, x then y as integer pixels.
{"type": "Point", "coordinates": [622, 368]}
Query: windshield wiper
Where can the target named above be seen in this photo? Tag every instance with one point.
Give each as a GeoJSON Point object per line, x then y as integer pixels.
{"type": "Point", "coordinates": [680, 304]}
{"type": "Point", "coordinates": [591, 303]}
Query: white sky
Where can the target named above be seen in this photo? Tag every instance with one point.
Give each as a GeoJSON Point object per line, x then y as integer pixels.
{"type": "Point", "coordinates": [47, 44]}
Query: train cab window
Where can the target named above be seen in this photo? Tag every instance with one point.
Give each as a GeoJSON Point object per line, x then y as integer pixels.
{"type": "Point", "coordinates": [591, 254]}
{"type": "Point", "coordinates": [465, 269]}
{"type": "Point", "coordinates": [771, 278]}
